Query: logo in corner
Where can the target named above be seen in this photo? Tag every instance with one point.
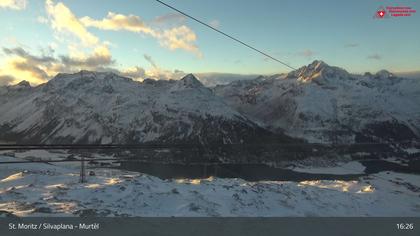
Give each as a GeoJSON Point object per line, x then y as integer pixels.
{"type": "Point", "coordinates": [393, 11]}
{"type": "Point", "coordinates": [381, 13]}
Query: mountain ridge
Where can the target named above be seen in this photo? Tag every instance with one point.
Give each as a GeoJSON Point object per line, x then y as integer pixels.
{"type": "Point", "coordinates": [100, 107]}
{"type": "Point", "coordinates": [318, 101]}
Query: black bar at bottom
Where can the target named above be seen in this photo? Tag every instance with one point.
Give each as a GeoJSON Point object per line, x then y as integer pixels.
{"type": "Point", "coordinates": [203, 226]}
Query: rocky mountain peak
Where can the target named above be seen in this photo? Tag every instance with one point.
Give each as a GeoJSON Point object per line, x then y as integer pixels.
{"type": "Point", "coordinates": [24, 83]}
{"type": "Point", "coordinates": [318, 70]}
{"type": "Point", "coordinates": [190, 81]}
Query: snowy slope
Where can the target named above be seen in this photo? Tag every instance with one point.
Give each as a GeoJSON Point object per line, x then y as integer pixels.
{"type": "Point", "coordinates": [92, 107]}
{"type": "Point", "coordinates": [319, 102]}
{"type": "Point", "coordinates": [52, 190]}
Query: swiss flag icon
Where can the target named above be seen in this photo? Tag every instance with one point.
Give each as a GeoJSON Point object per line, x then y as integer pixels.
{"type": "Point", "coordinates": [381, 13]}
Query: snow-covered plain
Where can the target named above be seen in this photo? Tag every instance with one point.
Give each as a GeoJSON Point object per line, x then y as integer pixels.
{"type": "Point", "coordinates": [53, 190]}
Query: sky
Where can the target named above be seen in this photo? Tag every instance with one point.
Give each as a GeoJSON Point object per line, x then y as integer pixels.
{"type": "Point", "coordinates": [139, 39]}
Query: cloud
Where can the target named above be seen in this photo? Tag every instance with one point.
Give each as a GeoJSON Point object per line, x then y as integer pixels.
{"type": "Point", "coordinates": [215, 23]}
{"type": "Point", "coordinates": [42, 20]}
{"type": "Point", "coordinates": [150, 60]}
{"type": "Point", "coordinates": [13, 4]}
{"type": "Point", "coordinates": [19, 69]}
{"type": "Point", "coordinates": [22, 65]}
{"type": "Point", "coordinates": [307, 53]}
{"type": "Point", "coordinates": [100, 57]}
{"type": "Point", "coordinates": [32, 69]}
{"type": "Point", "coordinates": [117, 22]}
{"type": "Point", "coordinates": [163, 74]}
{"type": "Point", "coordinates": [20, 52]}
{"type": "Point", "coordinates": [135, 72]}
{"type": "Point", "coordinates": [169, 18]}
{"type": "Point", "coordinates": [351, 45]}
{"type": "Point", "coordinates": [375, 57]}
{"type": "Point", "coordinates": [85, 50]}
{"type": "Point", "coordinates": [178, 37]}
{"type": "Point", "coordinates": [158, 73]}
{"type": "Point", "coordinates": [64, 21]}
{"type": "Point", "coordinates": [88, 52]}
{"type": "Point", "coordinates": [6, 80]}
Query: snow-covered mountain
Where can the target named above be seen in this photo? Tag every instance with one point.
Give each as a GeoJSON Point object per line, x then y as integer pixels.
{"type": "Point", "coordinates": [322, 103]}
{"type": "Point", "coordinates": [213, 79]}
{"type": "Point", "coordinates": [318, 102]}
{"type": "Point", "coordinates": [93, 107]}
